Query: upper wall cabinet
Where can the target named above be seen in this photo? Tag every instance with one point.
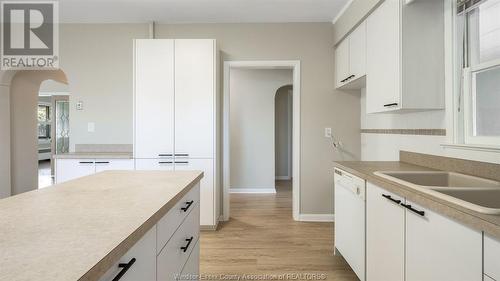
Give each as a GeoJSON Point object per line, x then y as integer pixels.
{"type": "Point", "coordinates": [405, 56]}
{"type": "Point", "coordinates": [350, 60]}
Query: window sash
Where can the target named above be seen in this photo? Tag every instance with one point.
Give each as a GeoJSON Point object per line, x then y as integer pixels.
{"type": "Point", "coordinates": [469, 108]}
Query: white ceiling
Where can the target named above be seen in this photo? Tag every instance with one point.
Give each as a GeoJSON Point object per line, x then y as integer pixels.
{"type": "Point", "coordinates": [199, 11]}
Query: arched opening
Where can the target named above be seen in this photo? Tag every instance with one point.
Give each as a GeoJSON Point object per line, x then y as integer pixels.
{"type": "Point", "coordinates": [26, 129]}
{"type": "Point", "coordinates": [283, 117]}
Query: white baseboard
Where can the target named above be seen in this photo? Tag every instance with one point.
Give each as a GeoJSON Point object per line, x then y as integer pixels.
{"type": "Point", "coordinates": [283, 178]}
{"type": "Point", "coordinates": [317, 217]}
{"type": "Point", "coordinates": [253, 190]}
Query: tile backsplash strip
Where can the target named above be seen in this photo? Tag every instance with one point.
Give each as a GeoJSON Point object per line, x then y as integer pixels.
{"type": "Point", "coordinates": [104, 148]}
{"type": "Point", "coordinates": [469, 167]}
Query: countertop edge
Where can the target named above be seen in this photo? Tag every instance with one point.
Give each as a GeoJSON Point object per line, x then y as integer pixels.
{"type": "Point", "coordinates": [114, 255]}
{"type": "Point", "coordinates": [437, 205]}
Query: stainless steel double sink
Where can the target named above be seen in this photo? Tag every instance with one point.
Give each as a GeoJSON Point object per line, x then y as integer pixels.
{"type": "Point", "coordinates": [474, 193]}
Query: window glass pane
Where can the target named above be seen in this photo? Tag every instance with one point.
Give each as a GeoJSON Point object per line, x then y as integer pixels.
{"type": "Point", "coordinates": [486, 97]}
{"type": "Point", "coordinates": [484, 32]}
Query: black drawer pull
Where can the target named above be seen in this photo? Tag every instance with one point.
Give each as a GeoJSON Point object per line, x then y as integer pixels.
{"type": "Point", "coordinates": [182, 154]}
{"type": "Point", "coordinates": [165, 162]}
{"type": "Point", "coordinates": [185, 248]}
{"type": "Point", "coordinates": [165, 155]}
{"type": "Point", "coordinates": [181, 162]}
{"type": "Point", "coordinates": [86, 162]}
{"type": "Point", "coordinates": [188, 205]}
{"type": "Point", "coordinates": [392, 199]}
{"type": "Point", "coordinates": [125, 267]}
{"type": "Point", "coordinates": [390, 104]}
{"type": "Point", "coordinates": [102, 162]}
{"type": "Point", "coordinates": [409, 207]}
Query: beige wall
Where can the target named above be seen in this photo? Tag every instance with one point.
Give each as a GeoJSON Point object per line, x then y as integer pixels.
{"type": "Point", "coordinates": [98, 61]}
{"type": "Point", "coordinates": [357, 11]}
{"type": "Point", "coordinates": [283, 131]}
{"type": "Point", "coordinates": [4, 141]}
{"type": "Point", "coordinates": [252, 93]}
{"type": "Point", "coordinates": [321, 105]}
{"type": "Point", "coordinates": [23, 132]}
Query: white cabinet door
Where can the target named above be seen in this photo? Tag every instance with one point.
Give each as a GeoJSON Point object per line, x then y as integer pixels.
{"type": "Point", "coordinates": [357, 52]}
{"type": "Point", "coordinates": [383, 58]}
{"type": "Point", "coordinates": [207, 204]}
{"type": "Point", "coordinates": [342, 62]}
{"type": "Point", "coordinates": [385, 237]}
{"type": "Point", "coordinates": [68, 169]}
{"type": "Point", "coordinates": [113, 164]}
{"type": "Point", "coordinates": [154, 164]}
{"type": "Point", "coordinates": [195, 97]}
{"type": "Point", "coordinates": [154, 98]}
{"type": "Point", "coordinates": [491, 257]}
{"type": "Point", "coordinates": [191, 270]}
{"type": "Point", "coordinates": [142, 257]}
{"type": "Point", "coordinates": [438, 248]}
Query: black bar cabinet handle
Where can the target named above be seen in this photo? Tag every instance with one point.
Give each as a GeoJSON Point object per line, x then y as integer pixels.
{"type": "Point", "coordinates": [165, 162]}
{"type": "Point", "coordinates": [409, 207]}
{"type": "Point", "coordinates": [390, 104]}
{"type": "Point", "coordinates": [350, 77]}
{"type": "Point", "coordinates": [182, 154]}
{"type": "Point", "coordinates": [102, 162]}
{"type": "Point", "coordinates": [392, 199]}
{"type": "Point", "coordinates": [185, 248]}
{"type": "Point", "coordinates": [86, 162]}
{"type": "Point", "coordinates": [181, 162]}
{"type": "Point", "coordinates": [188, 205]}
{"type": "Point", "coordinates": [125, 267]}
{"type": "Point", "coordinates": [165, 155]}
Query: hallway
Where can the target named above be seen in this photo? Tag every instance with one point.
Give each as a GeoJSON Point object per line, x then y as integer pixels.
{"type": "Point", "coordinates": [262, 238]}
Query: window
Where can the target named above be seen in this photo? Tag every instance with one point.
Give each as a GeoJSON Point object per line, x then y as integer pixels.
{"type": "Point", "coordinates": [479, 44]}
{"type": "Point", "coordinates": [43, 121]}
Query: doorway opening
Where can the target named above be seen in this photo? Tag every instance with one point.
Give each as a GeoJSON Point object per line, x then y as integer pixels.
{"type": "Point", "coordinates": [249, 158]}
{"type": "Point", "coordinates": [283, 127]}
{"type": "Point", "coordinates": [33, 107]}
{"type": "Point", "coordinates": [53, 128]}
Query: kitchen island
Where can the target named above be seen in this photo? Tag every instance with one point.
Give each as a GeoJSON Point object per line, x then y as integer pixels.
{"type": "Point", "coordinates": [82, 229]}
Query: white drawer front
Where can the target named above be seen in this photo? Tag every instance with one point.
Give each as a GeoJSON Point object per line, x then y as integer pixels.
{"type": "Point", "coordinates": [172, 258]}
{"type": "Point", "coordinates": [114, 164]}
{"type": "Point", "coordinates": [144, 267]}
{"type": "Point", "coordinates": [191, 270]}
{"type": "Point", "coordinates": [154, 164]}
{"type": "Point", "coordinates": [171, 221]}
{"type": "Point", "coordinates": [491, 257]}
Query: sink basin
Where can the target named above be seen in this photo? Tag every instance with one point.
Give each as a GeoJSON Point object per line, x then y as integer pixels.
{"type": "Point", "coordinates": [474, 193]}
{"type": "Point", "coordinates": [432, 179]}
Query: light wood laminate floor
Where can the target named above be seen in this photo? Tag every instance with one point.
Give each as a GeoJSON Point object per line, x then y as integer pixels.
{"type": "Point", "coordinates": [262, 238]}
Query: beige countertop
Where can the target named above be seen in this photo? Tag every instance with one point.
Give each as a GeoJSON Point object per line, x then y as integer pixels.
{"type": "Point", "coordinates": [490, 224]}
{"type": "Point", "coordinates": [78, 229]}
{"type": "Point", "coordinates": [94, 155]}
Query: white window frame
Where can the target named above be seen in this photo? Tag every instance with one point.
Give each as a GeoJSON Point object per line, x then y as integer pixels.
{"type": "Point", "coordinates": [459, 108]}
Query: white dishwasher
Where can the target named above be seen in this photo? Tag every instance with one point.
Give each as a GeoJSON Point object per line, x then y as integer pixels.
{"type": "Point", "coordinates": [350, 194]}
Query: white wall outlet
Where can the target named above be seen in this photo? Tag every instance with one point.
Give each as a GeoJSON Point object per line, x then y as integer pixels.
{"type": "Point", "coordinates": [79, 105]}
{"type": "Point", "coordinates": [328, 132]}
{"type": "Point", "coordinates": [91, 127]}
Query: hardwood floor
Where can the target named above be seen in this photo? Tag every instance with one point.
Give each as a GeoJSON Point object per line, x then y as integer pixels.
{"type": "Point", "coordinates": [262, 238]}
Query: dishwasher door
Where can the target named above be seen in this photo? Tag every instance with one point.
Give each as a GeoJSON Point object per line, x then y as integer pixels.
{"type": "Point", "coordinates": [350, 220]}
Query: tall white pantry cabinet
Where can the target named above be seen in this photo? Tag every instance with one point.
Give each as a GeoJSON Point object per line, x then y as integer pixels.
{"type": "Point", "coordinates": [176, 112]}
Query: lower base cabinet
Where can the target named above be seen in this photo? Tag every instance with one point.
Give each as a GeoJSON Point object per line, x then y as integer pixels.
{"type": "Point", "coordinates": [405, 241]}
{"type": "Point", "coordinates": [439, 248]}
{"type": "Point", "coordinates": [140, 260]}
{"type": "Point", "coordinates": [161, 254]}
{"type": "Point", "coordinates": [385, 236]}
